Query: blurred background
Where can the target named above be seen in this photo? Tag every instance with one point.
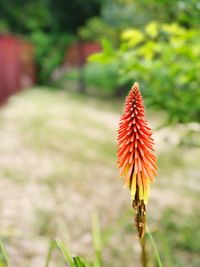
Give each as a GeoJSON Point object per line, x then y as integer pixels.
{"type": "Point", "coordinates": [65, 68]}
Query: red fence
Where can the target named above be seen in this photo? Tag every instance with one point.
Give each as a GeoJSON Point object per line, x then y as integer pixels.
{"type": "Point", "coordinates": [16, 66]}
{"type": "Point", "coordinates": [77, 54]}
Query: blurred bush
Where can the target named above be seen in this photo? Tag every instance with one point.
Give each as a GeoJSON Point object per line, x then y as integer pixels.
{"type": "Point", "coordinates": [104, 77]}
{"type": "Point", "coordinates": [49, 52]}
{"type": "Point", "coordinates": [96, 28]}
{"type": "Point", "coordinates": [49, 24]}
{"type": "Point", "coordinates": [116, 15]}
{"type": "Point", "coordinates": [140, 12]}
{"type": "Point", "coordinates": [98, 78]}
{"type": "Point", "coordinates": [164, 59]}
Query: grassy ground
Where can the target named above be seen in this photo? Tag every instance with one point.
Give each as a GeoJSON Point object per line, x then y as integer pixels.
{"type": "Point", "coordinates": [58, 166]}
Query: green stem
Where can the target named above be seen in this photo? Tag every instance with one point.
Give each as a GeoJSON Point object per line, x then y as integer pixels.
{"type": "Point", "coordinates": [144, 260]}
{"type": "Point", "coordinates": [155, 248]}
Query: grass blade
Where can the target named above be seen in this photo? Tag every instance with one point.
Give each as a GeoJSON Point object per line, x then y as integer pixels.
{"type": "Point", "coordinates": [65, 253]}
{"type": "Point", "coordinates": [78, 262]}
{"type": "Point", "coordinates": [5, 256]}
{"type": "Point", "coordinates": [96, 234]}
{"type": "Point", "coordinates": [155, 248]}
{"type": "Point", "coordinates": [52, 246]}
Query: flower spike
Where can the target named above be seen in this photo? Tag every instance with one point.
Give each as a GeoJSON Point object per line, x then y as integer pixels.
{"type": "Point", "coordinates": [135, 157]}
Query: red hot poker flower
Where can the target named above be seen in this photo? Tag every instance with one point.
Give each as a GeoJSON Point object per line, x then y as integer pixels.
{"type": "Point", "coordinates": [135, 157]}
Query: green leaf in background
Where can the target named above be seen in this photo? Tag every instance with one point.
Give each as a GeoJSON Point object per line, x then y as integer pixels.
{"type": "Point", "coordinates": [173, 28]}
{"type": "Point", "coordinates": [106, 56]}
{"type": "Point", "coordinates": [152, 29]}
{"type": "Point", "coordinates": [164, 58]}
{"type": "Point", "coordinates": [132, 37]}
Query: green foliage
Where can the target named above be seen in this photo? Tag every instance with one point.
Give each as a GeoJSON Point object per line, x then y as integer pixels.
{"type": "Point", "coordinates": [108, 54]}
{"type": "Point", "coordinates": [101, 79]}
{"type": "Point", "coordinates": [164, 59]}
{"type": "Point", "coordinates": [69, 15]}
{"type": "Point", "coordinates": [46, 15]}
{"type": "Point", "coordinates": [49, 52]}
{"type": "Point", "coordinates": [95, 29]}
{"type": "Point", "coordinates": [117, 15]}
{"type": "Point", "coordinates": [49, 24]}
{"type": "Point", "coordinates": [124, 13]}
{"type": "Point", "coordinates": [104, 78]}
{"type": "Point", "coordinates": [35, 15]}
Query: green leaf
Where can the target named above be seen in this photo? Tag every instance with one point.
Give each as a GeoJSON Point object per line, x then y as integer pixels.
{"type": "Point", "coordinates": [66, 253]}
{"type": "Point", "coordinates": [107, 46]}
{"type": "Point", "coordinates": [101, 58]}
{"type": "Point", "coordinates": [149, 49]}
{"type": "Point", "coordinates": [78, 262]}
{"type": "Point", "coordinates": [173, 28]}
{"type": "Point", "coordinates": [105, 57]}
{"type": "Point", "coordinates": [132, 37]}
{"type": "Point", "coordinates": [152, 29]}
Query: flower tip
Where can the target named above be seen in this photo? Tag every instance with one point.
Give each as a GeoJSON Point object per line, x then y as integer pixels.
{"type": "Point", "coordinates": [135, 86]}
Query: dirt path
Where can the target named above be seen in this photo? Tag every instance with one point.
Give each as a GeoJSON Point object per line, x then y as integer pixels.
{"type": "Point", "coordinates": [57, 166]}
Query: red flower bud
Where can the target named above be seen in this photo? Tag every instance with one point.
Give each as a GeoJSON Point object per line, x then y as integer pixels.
{"type": "Point", "coordinates": [135, 157]}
